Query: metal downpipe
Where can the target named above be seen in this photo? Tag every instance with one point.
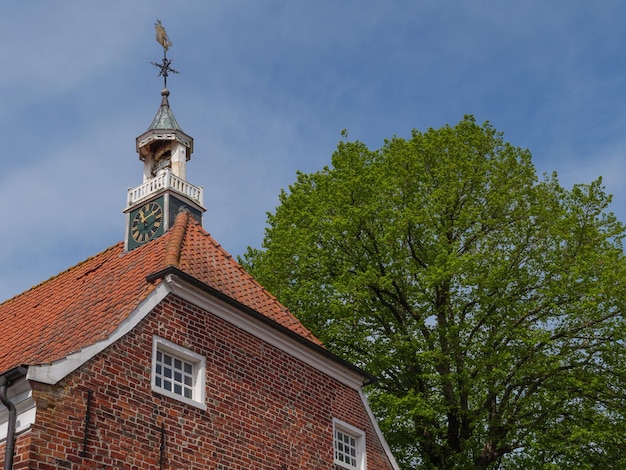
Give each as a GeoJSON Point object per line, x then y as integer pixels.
{"type": "Point", "coordinates": [5, 382]}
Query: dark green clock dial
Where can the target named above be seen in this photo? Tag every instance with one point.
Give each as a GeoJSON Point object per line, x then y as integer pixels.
{"type": "Point", "coordinates": [146, 222]}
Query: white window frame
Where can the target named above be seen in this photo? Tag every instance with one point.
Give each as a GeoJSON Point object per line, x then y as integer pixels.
{"type": "Point", "coordinates": [358, 435]}
{"type": "Point", "coordinates": [198, 362]}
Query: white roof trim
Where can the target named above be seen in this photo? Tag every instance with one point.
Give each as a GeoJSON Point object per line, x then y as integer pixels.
{"type": "Point", "coordinates": [264, 332]}
{"type": "Point", "coordinates": [378, 432]}
{"type": "Point", "coordinates": [52, 373]}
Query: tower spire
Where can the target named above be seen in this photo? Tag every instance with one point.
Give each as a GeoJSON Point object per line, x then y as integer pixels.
{"type": "Point", "coordinates": [164, 150]}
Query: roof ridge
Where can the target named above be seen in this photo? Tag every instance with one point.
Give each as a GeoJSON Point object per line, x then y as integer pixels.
{"type": "Point", "coordinates": [71, 268]}
{"type": "Point", "coordinates": [174, 245]}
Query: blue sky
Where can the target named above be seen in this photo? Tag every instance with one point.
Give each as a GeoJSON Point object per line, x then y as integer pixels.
{"type": "Point", "coordinates": [265, 88]}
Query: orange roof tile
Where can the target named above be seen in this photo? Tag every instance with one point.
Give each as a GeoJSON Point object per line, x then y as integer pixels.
{"type": "Point", "coordinates": [87, 302]}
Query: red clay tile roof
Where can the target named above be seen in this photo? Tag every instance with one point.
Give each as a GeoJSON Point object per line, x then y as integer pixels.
{"type": "Point", "coordinates": [87, 302]}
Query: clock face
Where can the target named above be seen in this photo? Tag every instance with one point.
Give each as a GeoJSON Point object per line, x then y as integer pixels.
{"type": "Point", "coordinates": [146, 222]}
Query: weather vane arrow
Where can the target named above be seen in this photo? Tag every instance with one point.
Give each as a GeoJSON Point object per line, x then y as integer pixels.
{"type": "Point", "coordinates": [164, 40]}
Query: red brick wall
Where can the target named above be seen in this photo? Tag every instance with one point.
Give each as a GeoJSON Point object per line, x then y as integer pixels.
{"type": "Point", "coordinates": [266, 410]}
{"type": "Point", "coordinates": [22, 452]}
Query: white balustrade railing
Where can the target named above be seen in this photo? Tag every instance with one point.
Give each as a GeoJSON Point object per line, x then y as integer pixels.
{"type": "Point", "coordinates": [165, 180]}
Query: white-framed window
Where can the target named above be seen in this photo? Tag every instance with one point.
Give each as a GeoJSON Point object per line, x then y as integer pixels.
{"type": "Point", "coordinates": [349, 446]}
{"type": "Point", "coordinates": [178, 372]}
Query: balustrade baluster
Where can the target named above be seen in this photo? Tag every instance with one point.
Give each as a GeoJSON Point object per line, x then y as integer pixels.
{"type": "Point", "coordinates": [164, 180]}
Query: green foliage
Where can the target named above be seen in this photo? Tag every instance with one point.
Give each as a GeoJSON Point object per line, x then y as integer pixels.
{"type": "Point", "coordinates": [489, 302]}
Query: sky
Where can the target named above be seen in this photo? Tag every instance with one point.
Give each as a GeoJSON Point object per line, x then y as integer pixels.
{"type": "Point", "coordinates": [265, 89]}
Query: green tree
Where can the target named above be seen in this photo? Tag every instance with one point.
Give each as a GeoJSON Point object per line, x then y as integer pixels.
{"type": "Point", "coordinates": [488, 301]}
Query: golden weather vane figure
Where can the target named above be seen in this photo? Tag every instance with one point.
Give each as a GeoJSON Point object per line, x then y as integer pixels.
{"type": "Point", "coordinates": [161, 35]}
{"type": "Point", "coordinates": [163, 39]}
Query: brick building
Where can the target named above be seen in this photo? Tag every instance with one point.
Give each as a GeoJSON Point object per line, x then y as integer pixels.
{"type": "Point", "coordinates": [161, 352]}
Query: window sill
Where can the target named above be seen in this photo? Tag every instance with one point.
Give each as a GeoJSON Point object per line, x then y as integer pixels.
{"type": "Point", "coordinates": [179, 398]}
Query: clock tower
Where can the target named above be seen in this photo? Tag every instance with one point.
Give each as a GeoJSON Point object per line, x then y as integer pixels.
{"type": "Point", "coordinates": [164, 150]}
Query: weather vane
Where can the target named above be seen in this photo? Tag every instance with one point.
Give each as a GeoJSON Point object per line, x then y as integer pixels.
{"type": "Point", "coordinates": [164, 40]}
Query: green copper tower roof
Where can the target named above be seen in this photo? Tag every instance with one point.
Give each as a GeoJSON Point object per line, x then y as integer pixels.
{"type": "Point", "coordinates": [164, 129]}
{"type": "Point", "coordinates": [164, 118]}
